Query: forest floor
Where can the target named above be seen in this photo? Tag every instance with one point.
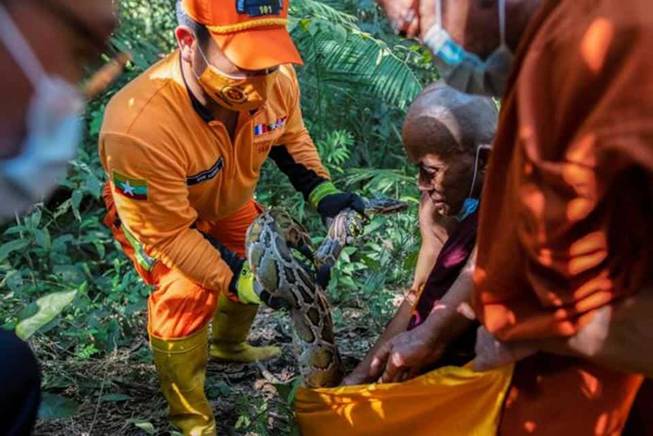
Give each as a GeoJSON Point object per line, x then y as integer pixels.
{"type": "Point", "coordinates": [119, 393]}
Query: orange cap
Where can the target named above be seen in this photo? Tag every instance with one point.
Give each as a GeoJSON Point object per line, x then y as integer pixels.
{"type": "Point", "coordinates": [251, 33]}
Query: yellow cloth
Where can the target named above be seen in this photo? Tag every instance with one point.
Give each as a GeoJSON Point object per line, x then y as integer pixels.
{"type": "Point", "coordinates": [446, 401]}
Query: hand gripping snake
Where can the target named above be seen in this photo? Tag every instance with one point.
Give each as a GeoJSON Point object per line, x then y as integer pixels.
{"type": "Point", "coordinates": [272, 242]}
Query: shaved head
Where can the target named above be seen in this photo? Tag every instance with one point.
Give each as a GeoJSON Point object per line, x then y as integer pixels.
{"type": "Point", "coordinates": [444, 121]}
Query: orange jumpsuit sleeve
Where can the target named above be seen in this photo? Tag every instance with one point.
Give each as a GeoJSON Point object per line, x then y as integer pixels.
{"type": "Point", "coordinates": [161, 218]}
{"type": "Point", "coordinates": [294, 152]}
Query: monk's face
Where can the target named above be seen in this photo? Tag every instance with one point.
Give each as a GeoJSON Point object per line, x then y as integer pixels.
{"type": "Point", "coordinates": [446, 180]}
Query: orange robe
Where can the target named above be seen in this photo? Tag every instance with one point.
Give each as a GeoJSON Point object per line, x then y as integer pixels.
{"type": "Point", "coordinates": [567, 206]}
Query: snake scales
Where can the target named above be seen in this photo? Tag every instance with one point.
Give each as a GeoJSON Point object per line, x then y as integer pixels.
{"type": "Point", "coordinates": [272, 242]}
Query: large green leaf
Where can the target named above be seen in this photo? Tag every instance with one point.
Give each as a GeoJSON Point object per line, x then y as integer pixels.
{"type": "Point", "coordinates": [11, 246]}
{"type": "Point", "coordinates": [49, 307]}
{"type": "Point", "coordinates": [55, 406]}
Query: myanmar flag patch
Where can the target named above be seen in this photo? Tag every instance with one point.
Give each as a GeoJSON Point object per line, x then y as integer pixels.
{"type": "Point", "coordinates": [136, 189]}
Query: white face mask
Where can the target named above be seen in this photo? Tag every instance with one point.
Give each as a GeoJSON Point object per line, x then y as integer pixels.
{"type": "Point", "coordinates": [465, 71]}
{"type": "Point", "coordinates": [54, 127]}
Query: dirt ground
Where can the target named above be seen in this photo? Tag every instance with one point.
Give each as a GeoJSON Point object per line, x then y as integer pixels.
{"type": "Point", "coordinates": [119, 394]}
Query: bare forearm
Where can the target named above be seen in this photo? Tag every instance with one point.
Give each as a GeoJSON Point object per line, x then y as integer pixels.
{"type": "Point", "coordinates": [425, 263]}
{"type": "Point", "coordinates": [434, 232]}
{"type": "Point", "coordinates": [449, 307]}
{"type": "Point", "coordinates": [620, 337]}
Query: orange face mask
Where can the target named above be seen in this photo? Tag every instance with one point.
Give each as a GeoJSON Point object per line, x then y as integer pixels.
{"type": "Point", "coordinates": [236, 93]}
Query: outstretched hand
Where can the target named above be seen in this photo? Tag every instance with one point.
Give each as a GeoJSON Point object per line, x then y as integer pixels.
{"type": "Point", "coordinates": [403, 356]}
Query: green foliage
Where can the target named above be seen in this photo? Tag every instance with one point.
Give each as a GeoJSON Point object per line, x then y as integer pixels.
{"type": "Point", "coordinates": [343, 55]}
{"type": "Point", "coordinates": [56, 406]}
{"type": "Point", "coordinates": [47, 308]}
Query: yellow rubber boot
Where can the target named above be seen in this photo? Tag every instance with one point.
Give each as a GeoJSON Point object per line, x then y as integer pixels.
{"type": "Point", "coordinates": [181, 364]}
{"type": "Point", "coordinates": [231, 324]}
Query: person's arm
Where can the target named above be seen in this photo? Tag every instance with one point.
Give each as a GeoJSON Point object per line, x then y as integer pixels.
{"type": "Point", "coordinates": [151, 195]}
{"type": "Point", "coordinates": [294, 152]}
{"type": "Point", "coordinates": [618, 337]}
{"type": "Point", "coordinates": [296, 156]}
{"type": "Point", "coordinates": [406, 354]}
{"type": "Point", "coordinates": [434, 235]}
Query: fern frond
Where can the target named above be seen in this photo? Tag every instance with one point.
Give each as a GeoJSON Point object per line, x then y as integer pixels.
{"type": "Point", "coordinates": [344, 52]}
{"type": "Point", "coordinates": [314, 8]}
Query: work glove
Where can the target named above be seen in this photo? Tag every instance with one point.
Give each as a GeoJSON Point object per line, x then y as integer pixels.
{"type": "Point", "coordinates": [329, 201]}
{"type": "Point", "coordinates": [243, 284]}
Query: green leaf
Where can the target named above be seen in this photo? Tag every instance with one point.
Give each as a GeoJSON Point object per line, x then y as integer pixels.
{"type": "Point", "coordinates": [243, 422]}
{"type": "Point", "coordinates": [115, 398]}
{"type": "Point", "coordinates": [304, 24]}
{"type": "Point", "coordinates": [35, 218]}
{"type": "Point", "coordinates": [99, 247]}
{"type": "Point", "coordinates": [11, 246]}
{"type": "Point", "coordinates": [76, 201]}
{"type": "Point", "coordinates": [339, 34]}
{"type": "Point", "coordinates": [93, 185]}
{"type": "Point", "coordinates": [42, 237]}
{"type": "Point", "coordinates": [15, 230]}
{"type": "Point", "coordinates": [96, 123]}
{"type": "Point", "coordinates": [287, 391]}
{"type": "Point", "coordinates": [49, 307]}
{"type": "Point", "coordinates": [146, 426]}
{"type": "Point", "coordinates": [55, 406]}
{"type": "Point", "coordinates": [313, 27]}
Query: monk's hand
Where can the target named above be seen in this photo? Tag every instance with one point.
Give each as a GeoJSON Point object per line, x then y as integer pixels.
{"type": "Point", "coordinates": [402, 15]}
{"type": "Point", "coordinates": [358, 376]}
{"type": "Point", "coordinates": [403, 356]}
{"type": "Point", "coordinates": [492, 353]}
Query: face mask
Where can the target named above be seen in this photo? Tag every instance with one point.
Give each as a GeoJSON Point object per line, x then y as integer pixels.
{"type": "Point", "coordinates": [236, 93]}
{"type": "Point", "coordinates": [465, 71]}
{"type": "Point", "coordinates": [54, 127]}
{"type": "Point", "coordinates": [470, 205]}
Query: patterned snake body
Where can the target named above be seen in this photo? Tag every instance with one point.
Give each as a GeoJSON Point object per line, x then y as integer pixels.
{"type": "Point", "coordinates": [274, 244]}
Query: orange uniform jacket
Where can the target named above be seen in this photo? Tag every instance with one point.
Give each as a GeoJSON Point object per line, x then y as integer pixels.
{"type": "Point", "coordinates": [170, 164]}
{"type": "Point", "coordinates": [566, 212]}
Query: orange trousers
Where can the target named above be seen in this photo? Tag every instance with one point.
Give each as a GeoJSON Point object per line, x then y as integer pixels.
{"type": "Point", "coordinates": [179, 307]}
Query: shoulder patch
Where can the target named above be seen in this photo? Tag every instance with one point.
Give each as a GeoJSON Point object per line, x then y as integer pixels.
{"type": "Point", "coordinates": [206, 174]}
{"type": "Point", "coordinates": [136, 189]}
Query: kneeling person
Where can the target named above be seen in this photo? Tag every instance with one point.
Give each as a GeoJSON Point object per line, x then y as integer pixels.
{"type": "Point", "coordinates": [447, 134]}
{"type": "Point", "coordinates": [183, 145]}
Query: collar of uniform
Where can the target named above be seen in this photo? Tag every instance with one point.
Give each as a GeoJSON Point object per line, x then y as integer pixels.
{"type": "Point", "coordinates": [202, 111]}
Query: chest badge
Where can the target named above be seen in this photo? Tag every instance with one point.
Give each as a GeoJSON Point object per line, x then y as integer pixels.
{"type": "Point", "coordinates": [263, 128]}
